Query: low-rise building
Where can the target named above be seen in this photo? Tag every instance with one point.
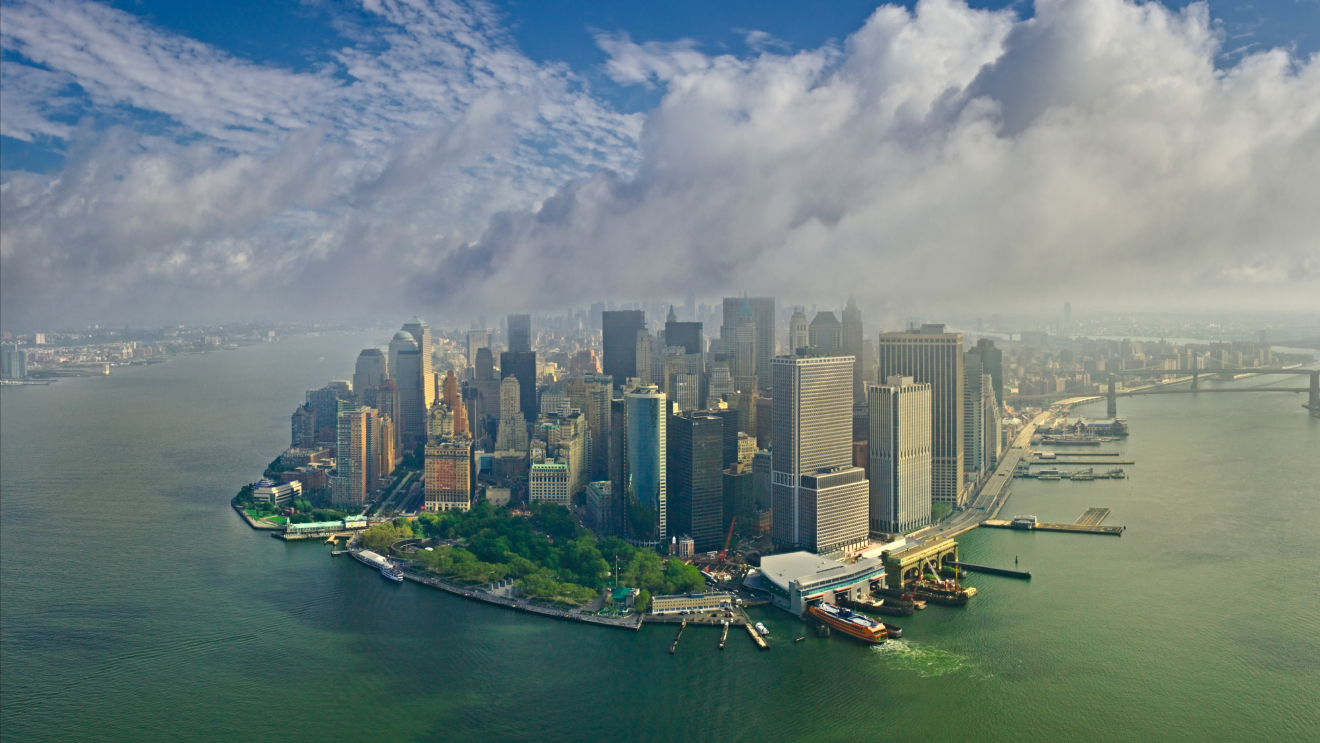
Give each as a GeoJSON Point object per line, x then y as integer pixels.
{"type": "Point", "coordinates": [269, 491]}
{"type": "Point", "coordinates": [795, 579]}
{"type": "Point", "coordinates": [691, 602]}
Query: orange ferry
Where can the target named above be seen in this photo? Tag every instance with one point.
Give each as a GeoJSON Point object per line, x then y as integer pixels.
{"type": "Point", "coordinates": [851, 623]}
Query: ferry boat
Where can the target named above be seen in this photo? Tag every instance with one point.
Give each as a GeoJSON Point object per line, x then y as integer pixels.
{"type": "Point", "coordinates": [862, 627]}
{"type": "Point", "coordinates": [761, 628]}
{"type": "Point", "coordinates": [1048, 477]}
{"type": "Point", "coordinates": [389, 572]}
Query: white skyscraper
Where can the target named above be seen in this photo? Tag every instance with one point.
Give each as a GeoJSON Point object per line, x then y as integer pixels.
{"type": "Point", "coordinates": [900, 455]}
{"type": "Point", "coordinates": [819, 499]}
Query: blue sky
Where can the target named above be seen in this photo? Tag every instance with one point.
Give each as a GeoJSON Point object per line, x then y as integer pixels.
{"type": "Point", "coordinates": [301, 36]}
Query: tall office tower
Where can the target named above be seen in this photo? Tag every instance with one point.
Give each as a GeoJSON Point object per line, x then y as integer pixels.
{"type": "Point", "coordinates": [343, 389]}
{"type": "Point", "coordinates": [303, 424]}
{"type": "Point", "coordinates": [476, 340]}
{"type": "Point", "coordinates": [385, 452]}
{"type": "Point", "coordinates": [931, 356]}
{"type": "Point", "coordinates": [900, 453]}
{"type": "Point", "coordinates": [993, 424]}
{"type": "Point", "coordinates": [520, 333]}
{"type": "Point", "coordinates": [647, 455]}
{"type": "Point", "coordinates": [371, 369]}
{"type": "Point", "coordinates": [826, 334]}
{"type": "Point", "coordinates": [763, 315]}
{"type": "Point", "coordinates": [600, 390]}
{"type": "Point", "coordinates": [512, 435]}
{"type": "Point", "coordinates": [618, 455]}
{"type": "Point", "coordinates": [819, 497]}
{"type": "Point", "coordinates": [729, 444]}
{"type": "Point", "coordinates": [696, 487]}
{"type": "Point", "coordinates": [522, 365]}
{"type": "Point", "coordinates": [421, 333]}
{"type": "Point", "coordinates": [13, 362]}
{"type": "Point", "coordinates": [684, 334]}
{"type": "Point", "coordinates": [619, 343]}
{"type": "Point", "coordinates": [739, 341]}
{"type": "Point", "coordinates": [642, 357]}
{"type": "Point", "coordinates": [852, 346]}
{"type": "Point", "coordinates": [799, 335]}
{"type": "Point", "coordinates": [721, 382]}
{"type": "Point", "coordinates": [746, 403]}
{"type": "Point", "coordinates": [992, 361]}
{"type": "Point", "coordinates": [485, 365]}
{"type": "Point", "coordinates": [322, 402]}
{"type": "Point", "coordinates": [387, 403]}
{"type": "Point", "coordinates": [974, 455]}
{"type": "Point", "coordinates": [401, 339]}
{"type": "Point", "coordinates": [762, 463]}
{"type": "Point", "coordinates": [356, 457]}
{"type": "Point", "coordinates": [868, 364]}
{"type": "Point", "coordinates": [448, 475]}
{"type": "Point", "coordinates": [412, 395]}
{"type": "Point", "coordinates": [451, 398]}
{"type": "Point", "coordinates": [596, 310]}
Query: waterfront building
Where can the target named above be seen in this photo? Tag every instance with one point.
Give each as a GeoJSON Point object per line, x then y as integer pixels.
{"type": "Point", "coordinates": [696, 493]}
{"type": "Point", "coordinates": [369, 371]}
{"type": "Point", "coordinates": [520, 333]}
{"type": "Point", "coordinates": [974, 455]}
{"type": "Point", "coordinates": [522, 366]}
{"type": "Point", "coordinates": [851, 341]}
{"type": "Point", "coordinates": [799, 334]}
{"type": "Point", "coordinates": [476, 340]}
{"type": "Point", "coordinates": [647, 455]}
{"type": "Point", "coordinates": [421, 333]}
{"type": "Point", "coordinates": [619, 343]}
{"type": "Point", "coordinates": [448, 472]}
{"type": "Point", "coordinates": [548, 483]}
{"type": "Point", "coordinates": [356, 457]}
{"type": "Point", "coordinates": [303, 425]}
{"type": "Point", "coordinates": [899, 449]}
{"type": "Point", "coordinates": [691, 602]}
{"type": "Point", "coordinates": [820, 500]}
{"type": "Point", "coordinates": [278, 493]}
{"type": "Point", "coordinates": [797, 579]}
{"type": "Point", "coordinates": [323, 403]}
{"type": "Point", "coordinates": [13, 362]}
{"type": "Point", "coordinates": [931, 356]}
{"type": "Point", "coordinates": [763, 317]}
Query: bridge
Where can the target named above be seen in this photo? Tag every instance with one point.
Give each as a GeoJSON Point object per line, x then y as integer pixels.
{"type": "Point", "coordinates": [1312, 404]}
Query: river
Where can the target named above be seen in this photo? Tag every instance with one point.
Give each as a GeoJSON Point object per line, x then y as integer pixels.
{"type": "Point", "coordinates": [137, 606]}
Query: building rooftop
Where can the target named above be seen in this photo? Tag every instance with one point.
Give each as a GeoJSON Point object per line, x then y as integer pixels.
{"type": "Point", "coordinates": [786, 568]}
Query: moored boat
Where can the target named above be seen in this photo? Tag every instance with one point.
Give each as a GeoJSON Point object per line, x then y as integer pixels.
{"type": "Point", "coordinates": [850, 623]}
{"type": "Point", "coordinates": [389, 572]}
{"type": "Point", "coordinates": [761, 629]}
{"type": "Point", "coordinates": [893, 630]}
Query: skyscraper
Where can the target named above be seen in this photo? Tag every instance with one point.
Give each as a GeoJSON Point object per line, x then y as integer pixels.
{"type": "Point", "coordinates": [476, 340]}
{"type": "Point", "coordinates": [685, 334]}
{"type": "Point", "coordinates": [974, 394]}
{"type": "Point", "coordinates": [763, 316]}
{"type": "Point", "coordinates": [520, 333]}
{"type": "Point", "coordinates": [900, 456]}
{"type": "Point", "coordinates": [371, 369]}
{"type": "Point", "coordinates": [826, 334]}
{"type": "Point", "coordinates": [303, 427]}
{"type": "Point", "coordinates": [696, 487]}
{"type": "Point", "coordinates": [820, 500]}
{"type": "Point", "coordinates": [448, 475]}
{"type": "Point", "coordinates": [421, 333]}
{"type": "Point", "coordinates": [619, 343]}
{"type": "Point", "coordinates": [647, 445]}
{"type": "Point", "coordinates": [412, 394]}
{"type": "Point", "coordinates": [387, 402]}
{"type": "Point", "coordinates": [13, 362]}
{"type": "Point", "coordinates": [485, 364]}
{"type": "Point", "coordinates": [512, 435]}
{"type": "Point", "coordinates": [522, 365]}
{"type": "Point", "coordinates": [401, 339]}
{"type": "Point", "coordinates": [740, 340]}
{"type": "Point", "coordinates": [992, 361]}
{"type": "Point", "coordinates": [357, 456]}
{"type": "Point", "coordinates": [852, 346]}
{"type": "Point", "coordinates": [322, 402]}
{"type": "Point", "coordinates": [931, 356]}
{"type": "Point", "coordinates": [799, 335]}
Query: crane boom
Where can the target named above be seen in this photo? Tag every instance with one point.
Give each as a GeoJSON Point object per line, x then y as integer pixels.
{"type": "Point", "coordinates": [728, 539]}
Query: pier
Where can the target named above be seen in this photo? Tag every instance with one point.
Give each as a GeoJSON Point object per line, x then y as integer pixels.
{"type": "Point", "coordinates": [674, 648]}
{"type": "Point", "coordinates": [724, 635]}
{"type": "Point", "coordinates": [991, 571]}
{"type": "Point", "coordinates": [756, 637]}
{"type": "Point", "coordinates": [1087, 523]}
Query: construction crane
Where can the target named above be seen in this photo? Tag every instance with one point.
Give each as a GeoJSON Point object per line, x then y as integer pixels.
{"type": "Point", "coordinates": [727, 539]}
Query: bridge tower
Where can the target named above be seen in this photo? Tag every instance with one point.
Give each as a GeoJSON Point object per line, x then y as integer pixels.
{"type": "Point", "coordinates": [1313, 401]}
{"type": "Point", "coordinates": [1196, 377]}
{"type": "Point", "coordinates": [1113, 396]}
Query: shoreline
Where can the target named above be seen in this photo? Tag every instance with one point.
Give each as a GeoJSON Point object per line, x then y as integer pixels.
{"type": "Point", "coordinates": [251, 521]}
{"type": "Point", "coordinates": [567, 615]}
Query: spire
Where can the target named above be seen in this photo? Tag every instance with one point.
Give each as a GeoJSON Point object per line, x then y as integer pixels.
{"type": "Point", "coordinates": [672, 317]}
{"type": "Point", "coordinates": [746, 310]}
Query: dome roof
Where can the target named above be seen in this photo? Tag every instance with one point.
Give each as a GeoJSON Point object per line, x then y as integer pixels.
{"type": "Point", "coordinates": [403, 335]}
{"type": "Point", "coordinates": [415, 320]}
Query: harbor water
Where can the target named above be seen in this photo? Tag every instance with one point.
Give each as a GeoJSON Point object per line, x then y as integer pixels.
{"type": "Point", "coordinates": [136, 606]}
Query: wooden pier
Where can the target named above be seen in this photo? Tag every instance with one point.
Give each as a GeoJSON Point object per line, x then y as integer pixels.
{"type": "Point", "coordinates": [756, 637]}
{"type": "Point", "coordinates": [674, 648]}
{"type": "Point", "coordinates": [724, 635]}
{"type": "Point", "coordinates": [1087, 523]}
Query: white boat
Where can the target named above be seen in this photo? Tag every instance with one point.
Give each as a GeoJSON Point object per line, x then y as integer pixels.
{"type": "Point", "coordinates": [761, 628]}
{"type": "Point", "coordinates": [389, 572]}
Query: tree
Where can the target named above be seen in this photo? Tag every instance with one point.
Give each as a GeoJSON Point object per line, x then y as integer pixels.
{"type": "Point", "coordinates": [642, 601]}
{"type": "Point", "coordinates": [939, 511]}
{"type": "Point", "coordinates": [381, 536]}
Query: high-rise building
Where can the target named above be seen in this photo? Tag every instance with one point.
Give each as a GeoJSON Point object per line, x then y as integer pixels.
{"type": "Point", "coordinates": [357, 456]}
{"type": "Point", "coordinates": [522, 365]}
{"type": "Point", "coordinates": [619, 343]}
{"type": "Point", "coordinates": [729, 441]}
{"type": "Point", "coordinates": [826, 334]}
{"type": "Point", "coordinates": [685, 334]}
{"type": "Point", "coordinates": [696, 488]}
{"type": "Point", "coordinates": [643, 358]}
{"type": "Point", "coordinates": [387, 403]}
{"type": "Point", "coordinates": [974, 394]}
{"type": "Point", "coordinates": [485, 365]}
{"type": "Point", "coordinates": [739, 341]}
{"type": "Point", "coordinates": [618, 456]}
{"type": "Point", "coordinates": [799, 334]}
{"type": "Point", "coordinates": [763, 316]}
{"type": "Point", "coordinates": [412, 394]}
{"type": "Point", "coordinates": [900, 454]}
{"type": "Point", "coordinates": [371, 369]}
{"type": "Point", "coordinates": [451, 398]}
{"type": "Point", "coordinates": [322, 402]}
{"type": "Point", "coordinates": [476, 340]}
{"type": "Point", "coordinates": [852, 346]}
{"type": "Point", "coordinates": [512, 435]}
{"type": "Point", "coordinates": [303, 424]}
{"type": "Point", "coordinates": [820, 499]}
{"type": "Point", "coordinates": [647, 444]}
{"type": "Point", "coordinates": [992, 361]}
{"type": "Point", "coordinates": [520, 333]}
{"type": "Point", "coordinates": [401, 339]}
{"type": "Point", "coordinates": [13, 362]}
{"type": "Point", "coordinates": [448, 475]}
{"type": "Point", "coordinates": [421, 333]}
{"type": "Point", "coordinates": [931, 356]}
{"type": "Point", "coordinates": [548, 483]}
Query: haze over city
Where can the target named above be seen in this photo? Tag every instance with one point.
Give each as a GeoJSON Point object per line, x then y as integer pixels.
{"type": "Point", "coordinates": [405, 157]}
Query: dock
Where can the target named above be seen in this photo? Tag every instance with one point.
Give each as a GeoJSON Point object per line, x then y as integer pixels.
{"type": "Point", "coordinates": [1070, 460]}
{"type": "Point", "coordinates": [756, 637]}
{"type": "Point", "coordinates": [724, 635]}
{"type": "Point", "coordinates": [991, 571]}
{"type": "Point", "coordinates": [1087, 523]}
{"type": "Point", "coordinates": [674, 648]}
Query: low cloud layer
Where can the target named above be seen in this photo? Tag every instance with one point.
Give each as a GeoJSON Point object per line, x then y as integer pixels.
{"type": "Point", "coordinates": [944, 157]}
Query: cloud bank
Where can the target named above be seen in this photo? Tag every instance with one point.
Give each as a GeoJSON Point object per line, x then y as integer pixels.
{"type": "Point", "coordinates": [940, 157]}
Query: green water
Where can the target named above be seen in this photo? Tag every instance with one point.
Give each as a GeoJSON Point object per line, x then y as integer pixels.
{"type": "Point", "coordinates": [137, 607]}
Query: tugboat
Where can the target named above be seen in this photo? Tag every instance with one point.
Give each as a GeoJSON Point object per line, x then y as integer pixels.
{"type": "Point", "coordinates": [389, 572]}
{"type": "Point", "coordinates": [893, 630]}
{"type": "Point", "coordinates": [856, 625]}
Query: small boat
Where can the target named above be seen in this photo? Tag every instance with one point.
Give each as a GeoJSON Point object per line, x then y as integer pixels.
{"type": "Point", "coordinates": [893, 629]}
{"type": "Point", "coordinates": [761, 629]}
{"type": "Point", "coordinates": [1048, 477]}
{"type": "Point", "coordinates": [799, 638]}
{"type": "Point", "coordinates": [850, 623]}
{"type": "Point", "coordinates": [389, 572]}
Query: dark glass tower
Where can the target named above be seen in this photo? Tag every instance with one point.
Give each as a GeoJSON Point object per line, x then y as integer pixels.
{"type": "Point", "coordinates": [619, 338]}
{"type": "Point", "coordinates": [696, 479]}
{"type": "Point", "coordinates": [522, 366]}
